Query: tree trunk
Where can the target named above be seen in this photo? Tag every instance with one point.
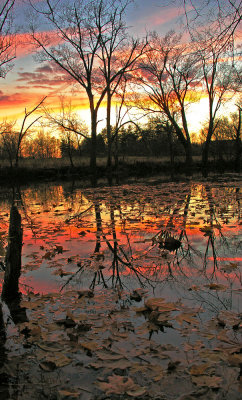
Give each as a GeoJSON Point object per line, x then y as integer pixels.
{"type": "Point", "coordinates": [109, 133]}
{"type": "Point", "coordinates": [238, 146]}
{"type": "Point", "coordinates": [2, 331]}
{"type": "Point", "coordinates": [189, 160]}
{"type": "Point", "coordinates": [205, 151]}
{"type": "Point", "coordinates": [70, 154]}
{"type": "Point", "coordinates": [93, 155]}
{"type": "Point", "coordinates": [116, 158]}
{"type": "Point", "coordinates": [186, 143]}
{"type": "Point", "coordinates": [13, 257]}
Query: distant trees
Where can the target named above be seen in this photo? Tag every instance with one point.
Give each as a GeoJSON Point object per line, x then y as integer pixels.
{"type": "Point", "coordinates": [70, 127]}
{"type": "Point", "coordinates": [237, 122]}
{"type": "Point", "coordinates": [13, 135]}
{"type": "Point", "coordinates": [8, 141]}
{"type": "Point", "coordinates": [226, 141]}
{"type": "Point", "coordinates": [42, 145]}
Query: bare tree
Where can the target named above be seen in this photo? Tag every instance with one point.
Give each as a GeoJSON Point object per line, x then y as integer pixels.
{"type": "Point", "coordinates": [119, 56]}
{"type": "Point", "coordinates": [7, 41]}
{"type": "Point", "coordinates": [220, 81]}
{"type": "Point", "coordinates": [66, 120]}
{"type": "Point", "coordinates": [21, 133]}
{"type": "Point", "coordinates": [168, 73]}
{"type": "Point", "coordinates": [83, 28]}
{"type": "Point", "coordinates": [13, 137]}
{"type": "Point", "coordinates": [223, 17]}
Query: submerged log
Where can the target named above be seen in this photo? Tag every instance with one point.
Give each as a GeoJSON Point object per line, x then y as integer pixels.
{"type": "Point", "coordinates": [13, 257]}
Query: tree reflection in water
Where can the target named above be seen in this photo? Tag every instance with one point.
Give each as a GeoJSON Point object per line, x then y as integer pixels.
{"type": "Point", "coordinates": [117, 241]}
{"type": "Point", "coordinates": [130, 226]}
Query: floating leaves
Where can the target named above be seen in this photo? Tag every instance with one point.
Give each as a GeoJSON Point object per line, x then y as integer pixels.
{"type": "Point", "coordinates": [121, 385]}
{"type": "Point", "coordinates": [159, 245]}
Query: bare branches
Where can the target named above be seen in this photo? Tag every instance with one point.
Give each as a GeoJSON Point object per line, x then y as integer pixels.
{"type": "Point", "coordinates": [67, 120]}
{"type": "Point", "coordinates": [222, 17]}
{"type": "Point", "coordinates": [89, 33]}
{"type": "Point", "coordinates": [13, 137]}
{"type": "Point", "coordinates": [7, 40]}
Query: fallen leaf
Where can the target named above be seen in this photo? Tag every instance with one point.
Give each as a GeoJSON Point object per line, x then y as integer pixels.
{"type": "Point", "coordinates": [91, 346]}
{"type": "Point", "coordinates": [66, 395]}
{"type": "Point", "coordinates": [47, 366]}
{"type": "Point", "coordinates": [50, 346]}
{"type": "Point", "coordinates": [199, 369]}
{"type": "Point", "coordinates": [207, 381]}
{"type": "Point", "coordinates": [229, 268]}
{"type": "Point", "coordinates": [118, 385]}
{"type": "Point", "coordinates": [216, 286]}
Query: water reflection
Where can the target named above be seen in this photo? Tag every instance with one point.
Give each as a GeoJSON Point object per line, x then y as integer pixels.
{"type": "Point", "coordinates": [119, 236]}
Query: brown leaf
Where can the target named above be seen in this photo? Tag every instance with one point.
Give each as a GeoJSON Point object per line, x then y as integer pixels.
{"type": "Point", "coordinates": [108, 356]}
{"type": "Point", "coordinates": [137, 392]}
{"type": "Point", "coordinates": [47, 366]}
{"type": "Point", "coordinates": [207, 381]}
{"type": "Point", "coordinates": [216, 286]}
{"type": "Point", "coordinates": [50, 346]}
{"type": "Point", "coordinates": [91, 346]}
{"type": "Point", "coordinates": [229, 268]}
{"type": "Point", "coordinates": [118, 385]}
{"type": "Point", "coordinates": [60, 360]}
{"type": "Point", "coordinates": [186, 317]}
{"type": "Point", "coordinates": [66, 395]}
{"type": "Point", "coordinates": [199, 369]}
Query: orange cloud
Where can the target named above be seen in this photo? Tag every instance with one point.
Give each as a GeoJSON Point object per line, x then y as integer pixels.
{"type": "Point", "coordinates": [25, 44]}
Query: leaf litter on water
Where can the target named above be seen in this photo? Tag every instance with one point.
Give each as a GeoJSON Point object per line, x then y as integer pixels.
{"type": "Point", "coordinates": [109, 337]}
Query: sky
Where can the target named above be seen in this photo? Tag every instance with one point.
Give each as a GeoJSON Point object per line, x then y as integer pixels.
{"type": "Point", "coordinates": [30, 80]}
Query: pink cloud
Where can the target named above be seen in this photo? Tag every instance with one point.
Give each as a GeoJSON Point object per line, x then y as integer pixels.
{"type": "Point", "coordinates": [159, 17]}
{"type": "Point", "coordinates": [46, 76]}
{"type": "Point", "coordinates": [25, 44]}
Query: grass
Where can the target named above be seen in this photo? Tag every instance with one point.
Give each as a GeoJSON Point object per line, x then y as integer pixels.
{"type": "Point", "coordinates": [129, 166]}
{"type": "Point", "coordinates": [56, 163]}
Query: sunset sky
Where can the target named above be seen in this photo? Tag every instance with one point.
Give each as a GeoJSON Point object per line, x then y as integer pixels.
{"type": "Point", "coordinates": [29, 80]}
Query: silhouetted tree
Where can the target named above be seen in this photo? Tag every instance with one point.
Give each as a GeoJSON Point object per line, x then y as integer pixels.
{"type": "Point", "coordinates": [168, 72]}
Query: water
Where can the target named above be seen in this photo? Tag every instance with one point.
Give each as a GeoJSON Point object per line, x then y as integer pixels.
{"type": "Point", "coordinates": [75, 238]}
{"type": "Point", "coordinates": [115, 240]}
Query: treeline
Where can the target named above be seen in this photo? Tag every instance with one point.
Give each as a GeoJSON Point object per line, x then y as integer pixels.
{"type": "Point", "coordinates": [157, 75]}
{"type": "Point", "coordinates": [154, 139]}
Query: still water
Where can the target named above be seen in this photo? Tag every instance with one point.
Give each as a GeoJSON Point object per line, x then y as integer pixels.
{"type": "Point", "coordinates": [104, 237]}
{"type": "Point", "coordinates": [161, 316]}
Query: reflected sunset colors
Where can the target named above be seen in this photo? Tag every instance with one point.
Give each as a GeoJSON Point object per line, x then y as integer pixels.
{"type": "Point", "coordinates": [78, 238]}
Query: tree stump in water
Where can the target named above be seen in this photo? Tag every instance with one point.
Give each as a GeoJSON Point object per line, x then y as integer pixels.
{"type": "Point", "coordinates": [13, 257]}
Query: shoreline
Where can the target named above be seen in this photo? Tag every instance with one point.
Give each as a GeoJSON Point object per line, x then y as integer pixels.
{"type": "Point", "coordinates": [136, 169]}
